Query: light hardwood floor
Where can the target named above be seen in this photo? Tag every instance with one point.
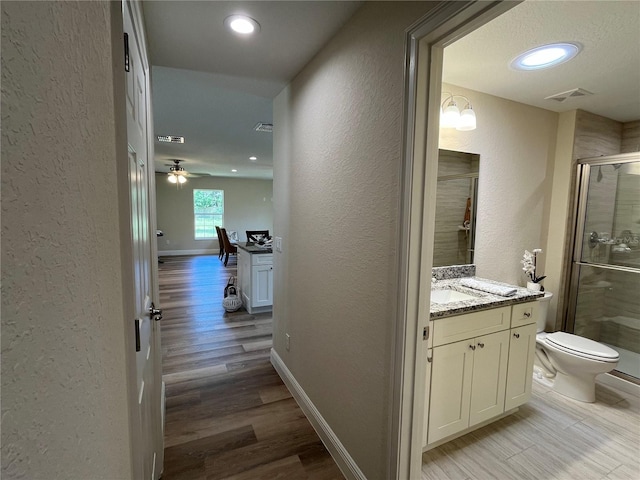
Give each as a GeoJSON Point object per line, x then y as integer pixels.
{"type": "Point", "coordinates": [551, 437]}
{"type": "Point", "coordinates": [228, 414]}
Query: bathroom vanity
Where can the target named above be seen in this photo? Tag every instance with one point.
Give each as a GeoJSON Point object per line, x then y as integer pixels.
{"type": "Point", "coordinates": [255, 277]}
{"type": "Point", "coordinates": [479, 356]}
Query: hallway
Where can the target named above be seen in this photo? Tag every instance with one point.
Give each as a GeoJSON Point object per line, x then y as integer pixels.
{"type": "Point", "coordinates": [228, 414]}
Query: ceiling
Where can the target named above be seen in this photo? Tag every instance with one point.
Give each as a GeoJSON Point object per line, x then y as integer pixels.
{"type": "Point", "coordinates": [213, 87]}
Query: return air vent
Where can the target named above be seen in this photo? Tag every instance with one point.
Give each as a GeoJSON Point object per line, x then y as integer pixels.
{"type": "Point", "coordinates": [264, 127]}
{"type": "Point", "coordinates": [564, 96]}
{"type": "Point", "coordinates": [170, 139]}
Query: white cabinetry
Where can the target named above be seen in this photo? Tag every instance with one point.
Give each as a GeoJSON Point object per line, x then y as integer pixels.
{"type": "Point", "coordinates": [255, 277]}
{"type": "Point", "coordinates": [480, 368]}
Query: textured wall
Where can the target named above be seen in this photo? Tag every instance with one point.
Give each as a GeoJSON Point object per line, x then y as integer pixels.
{"type": "Point", "coordinates": [248, 206]}
{"type": "Point", "coordinates": [337, 158]}
{"type": "Point", "coordinates": [64, 397]}
{"type": "Point", "coordinates": [515, 143]}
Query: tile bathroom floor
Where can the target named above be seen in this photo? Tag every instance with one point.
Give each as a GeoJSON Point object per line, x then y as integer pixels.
{"type": "Point", "coordinates": [551, 437]}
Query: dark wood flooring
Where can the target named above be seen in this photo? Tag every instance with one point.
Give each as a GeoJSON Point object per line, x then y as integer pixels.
{"type": "Point", "coordinates": [228, 414]}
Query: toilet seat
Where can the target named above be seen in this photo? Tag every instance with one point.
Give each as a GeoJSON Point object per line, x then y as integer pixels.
{"type": "Point", "coordinates": [581, 347]}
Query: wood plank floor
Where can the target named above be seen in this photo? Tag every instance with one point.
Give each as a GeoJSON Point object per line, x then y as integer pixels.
{"type": "Point", "coordinates": [228, 414]}
{"type": "Point", "coordinates": [551, 437]}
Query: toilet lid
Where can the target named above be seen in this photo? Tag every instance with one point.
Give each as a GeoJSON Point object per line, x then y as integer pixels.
{"type": "Point", "coordinates": [582, 346]}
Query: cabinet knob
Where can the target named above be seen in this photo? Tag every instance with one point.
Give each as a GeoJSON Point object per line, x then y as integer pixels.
{"type": "Point", "coordinates": [527, 314]}
{"type": "Point", "coordinates": [472, 347]}
{"type": "Point", "coordinates": [517, 335]}
{"type": "Point", "coordinates": [481, 345]}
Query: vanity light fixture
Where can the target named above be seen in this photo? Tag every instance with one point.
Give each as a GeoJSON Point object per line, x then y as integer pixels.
{"type": "Point", "coordinates": [546, 56]}
{"type": "Point", "coordinates": [242, 24]}
{"type": "Point", "coordinates": [451, 117]}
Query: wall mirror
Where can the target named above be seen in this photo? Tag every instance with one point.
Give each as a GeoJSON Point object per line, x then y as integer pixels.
{"type": "Point", "coordinates": [456, 207]}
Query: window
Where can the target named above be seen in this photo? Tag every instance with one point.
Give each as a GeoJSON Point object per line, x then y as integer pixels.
{"type": "Point", "coordinates": [208, 212]}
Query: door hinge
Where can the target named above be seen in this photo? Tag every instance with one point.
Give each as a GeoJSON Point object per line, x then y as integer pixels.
{"type": "Point", "coordinates": [127, 66]}
{"type": "Point", "coordinates": [137, 323]}
{"type": "Point", "coordinates": [425, 333]}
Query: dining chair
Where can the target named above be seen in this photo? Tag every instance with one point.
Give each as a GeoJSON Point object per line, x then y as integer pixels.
{"type": "Point", "coordinates": [229, 248]}
{"type": "Point", "coordinates": [257, 235]}
{"type": "Point", "coordinates": [220, 243]}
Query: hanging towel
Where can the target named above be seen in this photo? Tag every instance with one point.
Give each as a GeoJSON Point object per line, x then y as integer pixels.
{"type": "Point", "coordinates": [467, 213]}
{"type": "Point", "coordinates": [488, 287]}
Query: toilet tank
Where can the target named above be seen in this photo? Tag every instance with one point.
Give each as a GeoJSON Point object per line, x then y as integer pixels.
{"type": "Point", "coordinates": [542, 312]}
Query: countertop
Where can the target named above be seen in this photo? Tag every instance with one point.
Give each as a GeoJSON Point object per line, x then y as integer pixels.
{"type": "Point", "coordinates": [254, 248]}
{"type": "Point", "coordinates": [483, 300]}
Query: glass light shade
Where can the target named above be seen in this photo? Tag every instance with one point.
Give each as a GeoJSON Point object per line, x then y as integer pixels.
{"type": "Point", "coordinates": [450, 116]}
{"type": "Point", "coordinates": [182, 179]}
{"type": "Point", "coordinates": [172, 178]}
{"type": "Point", "coordinates": [467, 119]}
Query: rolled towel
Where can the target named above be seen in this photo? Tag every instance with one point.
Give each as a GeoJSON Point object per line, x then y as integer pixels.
{"type": "Point", "coordinates": [488, 287]}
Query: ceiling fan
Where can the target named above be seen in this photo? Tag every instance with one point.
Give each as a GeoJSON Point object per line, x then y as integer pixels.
{"type": "Point", "coordinates": [178, 174]}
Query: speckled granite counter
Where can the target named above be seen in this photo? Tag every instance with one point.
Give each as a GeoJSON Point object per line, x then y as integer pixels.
{"type": "Point", "coordinates": [482, 300]}
{"type": "Point", "coordinates": [251, 247]}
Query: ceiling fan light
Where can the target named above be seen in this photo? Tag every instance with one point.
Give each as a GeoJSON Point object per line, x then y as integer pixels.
{"type": "Point", "coordinates": [172, 178]}
{"type": "Point", "coordinates": [182, 179]}
{"type": "Point", "coordinates": [467, 119]}
{"type": "Point", "coordinates": [450, 116]}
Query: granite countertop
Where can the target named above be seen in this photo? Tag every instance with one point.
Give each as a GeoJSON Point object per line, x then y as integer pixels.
{"type": "Point", "coordinates": [483, 300]}
{"type": "Point", "coordinates": [253, 248]}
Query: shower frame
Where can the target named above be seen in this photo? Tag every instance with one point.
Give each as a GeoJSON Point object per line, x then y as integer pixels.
{"type": "Point", "coordinates": [575, 259]}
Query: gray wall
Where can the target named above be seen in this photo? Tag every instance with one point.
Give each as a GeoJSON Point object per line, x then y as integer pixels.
{"type": "Point", "coordinates": [64, 376]}
{"type": "Point", "coordinates": [337, 151]}
{"type": "Point", "coordinates": [247, 206]}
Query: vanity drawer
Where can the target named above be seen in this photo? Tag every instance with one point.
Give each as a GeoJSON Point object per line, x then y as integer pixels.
{"type": "Point", "coordinates": [524, 314]}
{"type": "Point", "coordinates": [453, 329]}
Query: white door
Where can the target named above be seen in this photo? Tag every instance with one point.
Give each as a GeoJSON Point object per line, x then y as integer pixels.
{"type": "Point", "coordinates": [147, 421]}
{"type": "Point", "coordinates": [522, 348]}
{"type": "Point", "coordinates": [451, 375]}
{"type": "Point", "coordinates": [489, 376]}
{"type": "Point", "coordinates": [262, 285]}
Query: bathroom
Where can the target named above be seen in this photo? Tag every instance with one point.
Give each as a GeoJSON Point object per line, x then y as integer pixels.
{"type": "Point", "coordinates": [518, 182]}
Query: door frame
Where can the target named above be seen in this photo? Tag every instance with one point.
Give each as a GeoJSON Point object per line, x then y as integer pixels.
{"type": "Point", "coordinates": [425, 43]}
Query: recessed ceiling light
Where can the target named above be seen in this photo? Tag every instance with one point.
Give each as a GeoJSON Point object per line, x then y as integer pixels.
{"type": "Point", "coordinates": [242, 24]}
{"type": "Point", "coordinates": [234, 170]}
{"type": "Point", "coordinates": [546, 56]}
{"type": "Point", "coordinates": [253, 159]}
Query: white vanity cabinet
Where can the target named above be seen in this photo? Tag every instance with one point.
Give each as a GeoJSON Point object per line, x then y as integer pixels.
{"type": "Point", "coordinates": [255, 277]}
{"type": "Point", "coordinates": [480, 368]}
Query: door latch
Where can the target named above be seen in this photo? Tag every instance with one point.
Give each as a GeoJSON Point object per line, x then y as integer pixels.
{"type": "Point", "coordinates": [425, 333]}
{"type": "Point", "coordinates": [155, 313]}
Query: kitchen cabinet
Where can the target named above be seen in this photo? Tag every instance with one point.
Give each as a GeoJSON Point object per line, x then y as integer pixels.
{"type": "Point", "coordinates": [481, 365]}
{"type": "Point", "coordinates": [255, 277]}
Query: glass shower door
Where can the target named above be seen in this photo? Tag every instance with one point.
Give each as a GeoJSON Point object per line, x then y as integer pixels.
{"type": "Point", "coordinates": [605, 285]}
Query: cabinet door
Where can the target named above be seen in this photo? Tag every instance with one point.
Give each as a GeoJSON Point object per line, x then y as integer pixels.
{"type": "Point", "coordinates": [489, 376]}
{"type": "Point", "coordinates": [262, 286]}
{"type": "Point", "coordinates": [450, 389]}
{"type": "Point", "coordinates": [522, 348]}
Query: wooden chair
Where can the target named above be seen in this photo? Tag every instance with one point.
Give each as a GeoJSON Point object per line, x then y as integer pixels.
{"type": "Point", "coordinates": [220, 243]}
{"type": "Point", "coordinates": [256, 235]}
{"type": "Point", "coordinates": [229, 248]}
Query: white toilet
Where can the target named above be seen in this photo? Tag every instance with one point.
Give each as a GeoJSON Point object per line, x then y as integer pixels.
{"type": "Point", "coordinates": [569, 363]}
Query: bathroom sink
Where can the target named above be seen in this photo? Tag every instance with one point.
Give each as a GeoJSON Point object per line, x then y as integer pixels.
{"type": "Point", "coordinates": [446, 295]}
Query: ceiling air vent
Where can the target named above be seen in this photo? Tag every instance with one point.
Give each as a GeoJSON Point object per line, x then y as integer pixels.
{"type": "Point", "coordinates": [170, 139]}
{"type": "Point", "coordinates": [264, 127]}
{"type": "Point", "coordinates": [564, 96]}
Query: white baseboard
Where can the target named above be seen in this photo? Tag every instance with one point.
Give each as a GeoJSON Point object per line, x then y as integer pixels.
{"type": "Point", "coordinates": [174, 253]}
{"type": "Point", "coordinates": [619, 383]}
{"type": "Point", "coordinates": [339, 453]}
